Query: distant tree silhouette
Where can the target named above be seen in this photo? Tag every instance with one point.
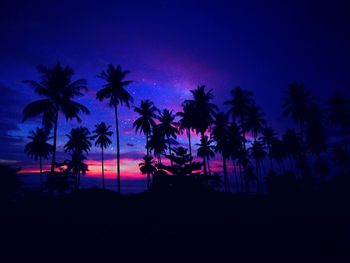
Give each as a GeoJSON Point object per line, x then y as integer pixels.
{"type": "Point", "coordinates": [157, 143]}
{"type": "Point", "coordinates": [114, 90]}
{"type": "Point", "coordinates": [79, 141]}
{"type": "Point", "coordinates": [39, 148]}
{"type": "Point", "coordinates": [291, 144]}
{"type": "Point", "coordinates": [167, 126]}
{"type": "Point", "coordinates": [102, 136]}
{"type": "Point", "coordinates": [255, 122]}
{"type": "Point", "coordinates": [268, 135]}
{"type": "Point", "coordinates": [258, 154]}
{"type": "Point", "coordinates": [206, 151]}
{"type": "Point", "coordinates": [147, 166]}
{"type": "Point", "coordinates": [278, 153]}
{"type": "Point", "coordinates": [296, 104]}
{"type": "Point", "coordinates": [220, 133]}
{"type": "Point", "coordinates": [145, 124]}
{"type": "Point", "coordinates": [203, 113]}
{"type": "Point", "coordinates": [187, 122]}
{"type": "Point", "coordinates": [58, 90]}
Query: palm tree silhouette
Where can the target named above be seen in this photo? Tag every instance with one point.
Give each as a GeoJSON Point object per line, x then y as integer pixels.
{"type": "Point", "coordinates": [147, 165]}
{"type": "Point", "coordinates": [78, 143]}
{"type": "Point", "coordinates": [221, 136]}
{"type": "Point", "coordinates": [167, 126]}
{"type": "Point", "coordinates": [203, 112]}
{"type": "Point", "coordinates": [114, 90]}
{"type": "Point", "coordinates": [145, 124]}
{"type": "Point", "coordinates": [258, 154]}
{"type": "Point", "coordinates": [157, 143]}
{"type": "Point", "coordinates": [39, 148]}
{"type": "Point", "coordinates": [296, 104]}
{"type": "Point", "coordinates": [291, 144]}
{"type": "Point", "coordinates": [206, 151]}
{"type": "Point", "coordinates": [187, 122]}
{"type": "Point", "coordinates": [240, 103]}
{"type": "Point", "coordinates": [58, 90]}
{"type": "Point", "coordinates": [268, 135]}
{"type": "Point", "coordinates": [254, 122]}
{"type": "Point", "coordinates": [102, 134]}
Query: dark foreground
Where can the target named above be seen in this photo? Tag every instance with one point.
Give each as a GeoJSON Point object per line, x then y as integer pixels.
{"type": "Point", "coordinates": [96, 226]}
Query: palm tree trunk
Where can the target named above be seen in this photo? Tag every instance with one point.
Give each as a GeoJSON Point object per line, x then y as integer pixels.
{"type": "Point", "coordinates": [204, 159]}
{"type": "Point", "coordinates": [118, 149]}
{"type": "Point", "coordinates": [235, 175]}
{"type": "Point", "coordinates": [225, 174]}
{"type": "Point", "coordinates": [103, 172]}
{"type": "Point", "coordinates": [171, 161]}
{"type": "Point", "coordinates": [189, 145]}
{"type": "Point", "coordinates": [41, 173]}
{"type": "Point", "coordinates": [209, 171]}
{"type": "Point", "coordinates": [54, 143]}
{"type": "Point", "coordinates": [148, 173]}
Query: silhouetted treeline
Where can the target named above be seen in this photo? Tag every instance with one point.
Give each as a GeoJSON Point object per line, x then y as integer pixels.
{"type": "Point", "coordinates": [255, 158]}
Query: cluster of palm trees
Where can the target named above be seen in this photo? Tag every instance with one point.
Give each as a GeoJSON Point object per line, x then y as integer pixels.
{"type": "Point", "coordinates": [240, 135]}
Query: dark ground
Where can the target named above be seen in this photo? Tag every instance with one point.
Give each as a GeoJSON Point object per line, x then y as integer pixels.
{"type": "Point", "coordinates": [96, 226]}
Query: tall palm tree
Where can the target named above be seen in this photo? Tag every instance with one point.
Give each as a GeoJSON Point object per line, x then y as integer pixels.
{"type": "Point", "coordinates": [79, 141]}
{"type": "Point", "coordinates": [187, 122]}
{"type": "Point", "coordinates": [292, 146]}
{"type": "Point", "coordinates": [220, 134]}
{"type": "Point", "coordinates": [206, 151]}
{"type": "Point", "coordinates": [102, 137]}
{"type": "Point", "coordinates": [167, 126]}
{"type": "Point", "coordinates": [39, 148]}
{"type": "Point", "coordinates": [296, 104]}
{"type": "Point", "coordinates": [59, 92]}
{"type": "Point", "coordinates": [203, 111]}
{"type": "Point", "coordinates": [258, 154]}
{"type": "Point", "coordinates": [114, 90]}
{"type": "Point", "coordinates": [268, 135]}
{"type": "Point", "coordinates": [240, 103]}
{"type": "Point", "coordinates": [145, 124]}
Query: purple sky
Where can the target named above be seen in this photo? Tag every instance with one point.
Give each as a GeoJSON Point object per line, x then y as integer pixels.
{"type": "Point", "coordinates": [170, 47]}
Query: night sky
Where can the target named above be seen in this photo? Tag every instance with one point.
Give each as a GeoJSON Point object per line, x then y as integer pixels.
{"type": "Point", "coordinates": [170, 47]}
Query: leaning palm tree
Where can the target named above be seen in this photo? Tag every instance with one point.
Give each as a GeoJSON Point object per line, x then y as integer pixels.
{"type": "Point", "coordinates": [114, 90]}
{"type": "Point", "coordinates": [59, 92]}
{"type": "Point", "coordinates": [102, 134]}
{"type": "Point", "coordinates": [39, 148]}
{"type": "Point", "coordinates": [220, 133]}
{"type": "Point", "coordinates": [206, 151]}
{"type": "Point", "coordinates": [167, 126]}
{"type": "Point", "coordinates": [145, 124]}
{"type": "Point", "coordinates": [79, 141]}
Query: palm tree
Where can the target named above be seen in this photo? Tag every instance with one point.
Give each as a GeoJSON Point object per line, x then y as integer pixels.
{"type": "Point", "coordinates": [147, 165]}
{"type": "Point", "coordinates": [221, 136]}
{"type": "Point", "coordinates": [240, 103]}
{"type": "Point", "coordinates": [157, 143]}
{"type": "Point", "coordinates": [268, 135]}
{"type": "Point", "coordinates": [187, 122]}
{"type": "Point", "coordinates": [254, 122]}
{"type": "Point", "coordinates": [206, 151]}
{"type": "Point", "coordinates": [145, 123]}
{"type": "Point", "coordinates": [58, 90]}
{"type": "Point", "coordinates": [102, 134]}
{"type": "Point", "coordinates": [114, 90]}
{"type": "Point", "coordinates": [39, 148]}
{"type": "Point", "coordinates": [258, 154]}
{"type": "Point", "coordinates": [78, 143]}
{"type": "Point", "coordinates": [296, 104]}
{"type": "Point", "coordinates": [167, 126]}
{"type": "Point", "coordinates": [291, 144]}
{"type": "Point", "coordinates": [203, 112]}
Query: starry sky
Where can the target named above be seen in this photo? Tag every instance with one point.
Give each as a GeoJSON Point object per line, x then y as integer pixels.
{"type": "Point", "coordinates": [170, 47]}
